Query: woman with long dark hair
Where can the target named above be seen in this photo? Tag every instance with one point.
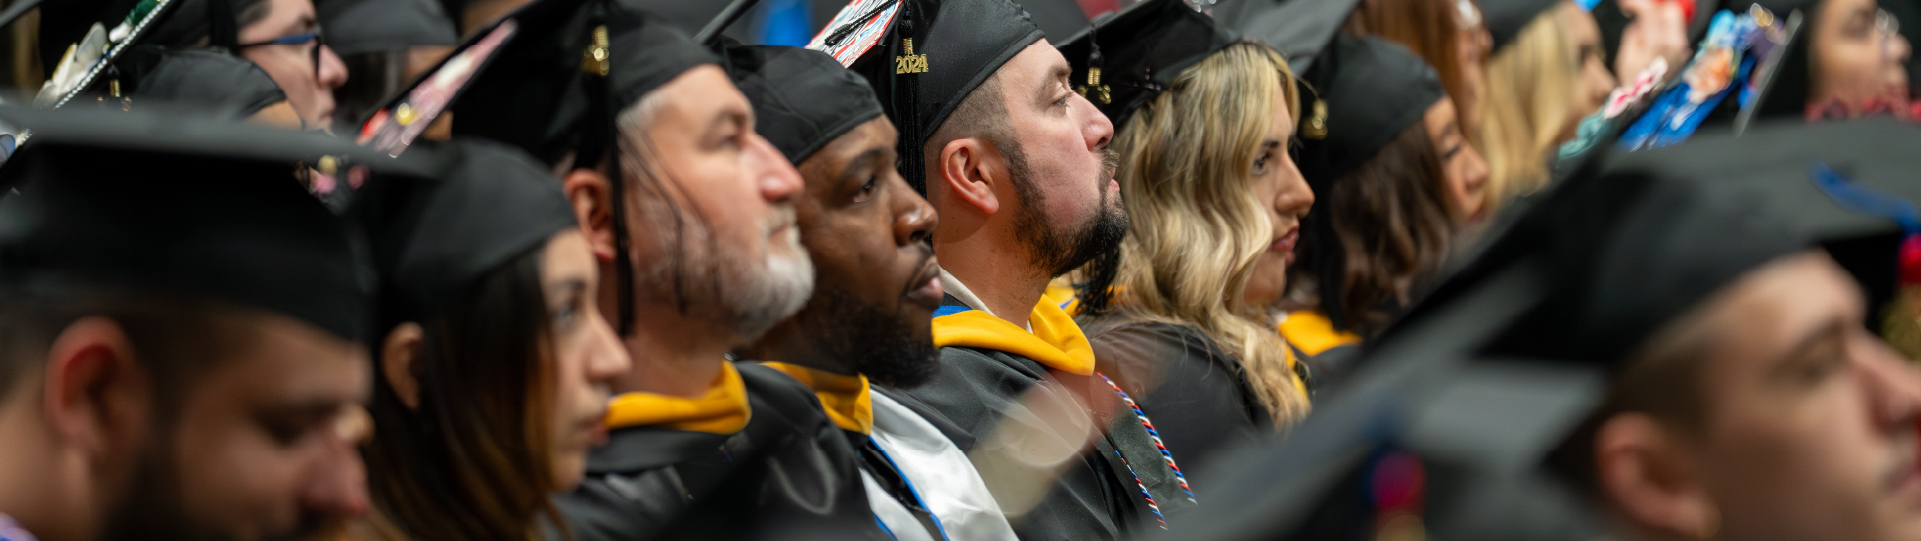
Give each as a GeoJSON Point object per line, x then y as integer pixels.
{"type": "Point", "coordinates": [494, 370]}
{"type": "Point", "coordinates": [1396, 181]}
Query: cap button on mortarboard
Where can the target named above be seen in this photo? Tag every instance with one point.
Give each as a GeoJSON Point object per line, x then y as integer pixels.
{"type": "Point", "coordinates": [1094, 64]}
{"type": "Point", "coordinates": [595, 60]}
{"type": "Point", "coordinates": [1316, 122]}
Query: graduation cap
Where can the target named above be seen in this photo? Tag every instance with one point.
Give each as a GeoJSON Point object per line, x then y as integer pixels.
{"type": "Point", "coordinates": [225, 85]}
{"type": "Point", "coordinates": [931, 55]}
{"type": "Point", "coordinates": [1785, 87]}
{"type": "Point", "coordinates": [435, 237]}
{"type": "Point", "coordinates": [1299, 30]}
{"type": "Point", "coordinates": [365, 26]}
{"type": "Point", "coordinates": [1128, 59]}
{"type": "Point", "coordinates": [1057, 19]}
{"type": "Point", "coordinates": [1506, 18]}
{"type": "Point", "coordinates": [802, 99]}
{"type": "Point", "coordinates": [572, 65]}
{"type": "Point", "coordinates": [185, 206]}
{"type": "Point", "coordinates": [1372, 90]}
{"type": "Point", "coordinates": [1465, 387]}
{"type": "Point", "coordinates": [105, 30]}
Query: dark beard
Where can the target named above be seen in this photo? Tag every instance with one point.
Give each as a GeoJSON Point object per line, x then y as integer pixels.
{"type": "Point", "coordinates": [881, 345]}
{"type": "Point", "coordinates": [153, 507]}
{"type": "Point", "coordinates": [1054, 249]}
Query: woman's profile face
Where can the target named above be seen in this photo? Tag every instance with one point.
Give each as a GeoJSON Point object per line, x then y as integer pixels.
{"type": "Point", "coordinates": [1858, 57]}
{"type": "Point", "coordinates": [587, 355]}
{"type": "Point", "coordinates": [1466, 173]}
{"type": "Point", "coordinates": [1283, 192]}
{"type": "Point", "coordinates": [1593, 80]}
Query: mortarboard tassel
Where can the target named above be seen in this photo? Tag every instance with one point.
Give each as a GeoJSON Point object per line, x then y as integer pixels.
{"type": "Point", "coordinates": [1901, 320]}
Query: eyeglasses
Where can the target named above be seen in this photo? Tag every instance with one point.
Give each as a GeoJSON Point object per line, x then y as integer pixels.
{"type": "Point", "coordinates": [313, 37]}
{"type": "Point", "coordinates": [1888, 28]}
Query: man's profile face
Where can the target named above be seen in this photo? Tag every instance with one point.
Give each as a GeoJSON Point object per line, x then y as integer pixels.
{"type": "Point", "coordinates": [263, 444]}
{"type": "Point", "coordinates": [1810, 428]}
{"type": "Point", "coordinates": [1072, 199]}
{"type": "Point", "coordinates": [731, 198]}
{"type": "Point", "coordinates": [877, 283]}
{"type": "Point", "coordinates": [307, 76]}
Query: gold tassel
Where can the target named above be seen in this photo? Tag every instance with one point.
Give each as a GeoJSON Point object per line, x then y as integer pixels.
{"type": "Point", "coordinates": [1901, 323]}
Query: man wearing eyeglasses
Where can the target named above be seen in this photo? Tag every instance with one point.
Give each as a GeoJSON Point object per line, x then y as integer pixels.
{"type": "Point", "coordinates": [280, 36]}
{"type": "Point", "coordinates": [285, 41]}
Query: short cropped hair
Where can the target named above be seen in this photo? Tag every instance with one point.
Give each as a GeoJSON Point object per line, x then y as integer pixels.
{"type": "Point", "coordinates": [1662, 379]}
{"type": "Point", "coordinates": [176, 338]}
{"type": "Point", "coordinates": [983, 113]}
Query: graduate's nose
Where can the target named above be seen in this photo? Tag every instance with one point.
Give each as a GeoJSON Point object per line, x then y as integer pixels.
{"type": "Point", "coordinates": [914, 218]}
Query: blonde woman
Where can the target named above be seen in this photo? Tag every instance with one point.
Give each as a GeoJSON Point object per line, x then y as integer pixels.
{"type": "Point", "coordinates": [1177, 320]}
{"type": "Point", "coordinates": [1547, 72]}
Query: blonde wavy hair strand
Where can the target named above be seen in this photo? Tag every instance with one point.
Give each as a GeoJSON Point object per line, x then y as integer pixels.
{"type": "Point", "coordinates": [1186, 167]}
{"type": "Point", "coordinates": [1524, 107]}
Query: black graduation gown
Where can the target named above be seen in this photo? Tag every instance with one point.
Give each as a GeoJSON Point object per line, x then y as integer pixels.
{"type": "Point", "coordinates": [1197, 394]}
{"type": "Point", "coordinates": [1096, 497]}
{"type": "Point", "coordinates": [789, 471]}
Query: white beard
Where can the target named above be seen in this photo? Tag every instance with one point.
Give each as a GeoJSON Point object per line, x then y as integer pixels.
{"type": "Point", "coordinates": [777, 289]}
{"type": "Point", "coordinates": [725, 286]}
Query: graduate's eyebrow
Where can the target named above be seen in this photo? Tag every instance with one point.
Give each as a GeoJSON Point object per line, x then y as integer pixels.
{"type": "Point", "coordinates": [726, 119]}
{"type": "Point", "coordinates": [862, 162]}
{"type": "Point", "coordinates": [1057, 76]}
{"type": "Point", "coordinates": [305, 23]}
{"type": "Point", "coordinates": [566, 288]}
{"type": "Point", "coordinates": [1833, 333]}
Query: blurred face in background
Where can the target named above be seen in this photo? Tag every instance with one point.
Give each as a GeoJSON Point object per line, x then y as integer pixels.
{"type": "Point", "coordinates": [1593, 79]}
{"type": "Point", "coordinates": [263, 445]}
{"type": "Point", "coordinates": [1805, 425]}
{"type": "Point", "coordinates": [286, 45]}
{"type": "Point", "coordinates": [1466, 172]}
{"type": "Point", "coordinates": [1656, 29]}
{"type": "Point", "coordinates": [1858, 57]}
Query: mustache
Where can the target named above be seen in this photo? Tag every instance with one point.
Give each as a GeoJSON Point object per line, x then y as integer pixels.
{"type": "Point", "coordinates": [1110, 162]}
{"type": "Point", "coordinates": [783, 216]}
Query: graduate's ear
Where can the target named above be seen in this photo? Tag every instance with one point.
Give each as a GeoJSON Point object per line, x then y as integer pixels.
{"type": "Point", "coordinates": [400, 362]}
{"type": "Point", "coordinates": [592, 197]}
{"type": "Point", "coordinates": [971, 168]}
{"type": "Point", "coordinates": [1642, 469]}
{"type": "Point", "coordinates": [98, 398]}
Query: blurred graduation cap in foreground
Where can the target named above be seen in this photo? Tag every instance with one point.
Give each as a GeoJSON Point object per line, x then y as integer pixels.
{"type": "Point", "coordinates": [1456, 408]}
{"type": "Point", "coordinates": [183, 206]}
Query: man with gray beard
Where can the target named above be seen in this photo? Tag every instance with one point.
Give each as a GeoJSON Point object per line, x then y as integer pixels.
{"type": "Point", "coordinates": [690, 213]}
